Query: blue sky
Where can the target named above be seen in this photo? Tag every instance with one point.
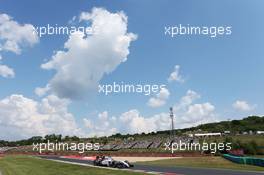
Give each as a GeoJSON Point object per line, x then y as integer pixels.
{"type": "Point", "coordinates": [222, 70]}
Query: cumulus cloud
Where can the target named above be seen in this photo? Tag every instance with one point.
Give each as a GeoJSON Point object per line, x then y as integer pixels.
{"type": "Point", "coordinates": [42, 91]}
{"type": "Point", "coordinates": [86, 59]}
{"type": "Point", "coordinates": [21, 117]}
{"type": "Point", "coordinates": [103, 125]}
{"type": "Point", "coordinates": [242, 105]}
{"type": "Point", "coordinates": [6, 72]}
{"type": "Point", "coordinates": [160, 98]}
{"type": "Point", "coordinates": [88, 123]}
{"type": "Point", "coordinates": [14, 37]}
{"type": "Point", "coordinates": [136, 123]}
{"type": "Point", "coordinates": [186, 100]}
{"type": "Point", "coordinates": [175, 75]}
{"type": "Point", "coordinates": [199, 114]}
{"type": "Point", "coordinates": [128, 122]}
{"type": "Point", "coordinates": [186, 113]}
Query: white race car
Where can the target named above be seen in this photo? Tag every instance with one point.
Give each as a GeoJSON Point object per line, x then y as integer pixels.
{"type": "Point", "coordinates": [110, 162]}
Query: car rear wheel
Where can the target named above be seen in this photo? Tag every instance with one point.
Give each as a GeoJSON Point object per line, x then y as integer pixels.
{"type": "Point", "coordinates": [120, 166]}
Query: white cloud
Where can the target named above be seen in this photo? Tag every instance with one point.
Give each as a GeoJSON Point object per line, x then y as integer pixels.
{"type": "Point", "coordinates": [88, 123]}
{"type": "Point", "coordinates": [242, 105]}
{"type": "Point", "coordinates": [187, 100]}
{"type": "Point", "coordinates": [135, 123]}
{"type": "Point", "coordinates": [6, 72]}
{"type": "Point", "coordinates": [128, 122]}
{"type": "Point", "coordinates": [21, 117]}
{"type": "Point", "coordinates": [160, 98]}
{"type": "Point", "coordinates": [199, 114]}
{"type": "Point", "coordinates": [13, 37]}
{"type": "Point", "coordinates": [86, 59]}
{"type": "Point", "coordinates": [42, 91]}
{"type": "Point", "coordinates": [103, 125]}
{"type": "Point", "coordinates": [187, 114]}
{"type": "Point", "coordinates": [175, 75]}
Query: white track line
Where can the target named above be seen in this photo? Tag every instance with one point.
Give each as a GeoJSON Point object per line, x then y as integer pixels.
{"type": "Point", "coordinates": [83, 164]}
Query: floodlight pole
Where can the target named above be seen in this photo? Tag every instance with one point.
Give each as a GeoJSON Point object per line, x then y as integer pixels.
{"type": "Point", "coordinates": [172, 122]}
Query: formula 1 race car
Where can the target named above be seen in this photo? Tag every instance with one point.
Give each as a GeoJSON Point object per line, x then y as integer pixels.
{"type": "Point", "coordinates": [108, 161]}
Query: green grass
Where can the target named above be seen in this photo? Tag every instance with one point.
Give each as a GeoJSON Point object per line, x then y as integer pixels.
{"type": "Point", "coordinates": [26, 165]}
{"type": "Point", "coordinates": [203, 162]}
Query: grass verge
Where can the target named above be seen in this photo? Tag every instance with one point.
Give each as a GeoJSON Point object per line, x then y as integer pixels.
{"type": "Point", "coordinates": [203, 162]}
{"type": "Point", "coordinates": [26, 165]}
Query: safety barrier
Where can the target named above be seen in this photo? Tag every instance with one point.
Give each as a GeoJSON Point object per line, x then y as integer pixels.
{"type": "Point", "coordinates": [245, 160]}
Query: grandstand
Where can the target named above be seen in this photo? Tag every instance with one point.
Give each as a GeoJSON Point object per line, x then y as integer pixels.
{"type": "Point", "coordinates": [142, 144]}
{"type": "Point", "coordinates": [5, 149]}
{"type": "Point", "coordinates": [154, 143]}
{"type": "Point", "coordinates": [108, 147]}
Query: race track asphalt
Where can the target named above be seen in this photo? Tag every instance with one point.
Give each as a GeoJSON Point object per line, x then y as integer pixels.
{"type": "Point", "coordinates": [167, 170]}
